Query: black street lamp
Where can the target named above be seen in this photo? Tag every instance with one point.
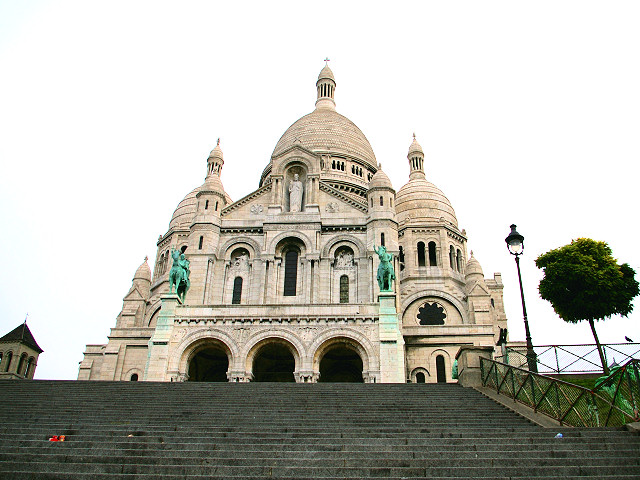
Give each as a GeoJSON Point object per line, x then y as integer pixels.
{"type": "Point", "coordinates": [515, 244]}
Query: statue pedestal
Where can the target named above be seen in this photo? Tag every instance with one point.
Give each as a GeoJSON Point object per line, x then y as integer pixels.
{"type": "Point", "coordinates": [157, 359]}
{"type": "Point", "coordinates": [392, 368]}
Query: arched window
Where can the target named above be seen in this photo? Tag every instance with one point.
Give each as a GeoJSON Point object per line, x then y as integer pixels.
{"type": "Point", "coordinates": [372, 201]}
{"type": "Point", "coordinates": [21, 362]}
{"type": "Point", "coordinates": [237, 291]}
{"type": "Point", "coordinates": [382, 239]}
{"type": "Point", "coordinates": [344, 289]}
{"type": "Point", "coordinates": [440, 370]}
{"type": "Point", "coordinates": [452, 258]}
{"type": "Point", "coordinates": [134, 377]}
{"type": "Point", "coordinates": [381, 201]}
{"type": "Point", "coordinates": [421, 259]}
{"type": "Point", "coordinates": [290, 273]}
{"type": "Point", "coordinates": [206, 205]}
{"type": "Point", "coordinates": [183, 249]}
{"type": "Point", "coordinates": [200, 242]}
{"type": "Point", "coordinates": [420, 377]}
{"type": "Point", "coordinates": [459, 260]}
{"type": "Point", "coordinates": [27, 371]}
{"type": "Point", "coordinates": [8, 364]}
{"type": "Point", "coordinates": [432, 254]}
{"type": "Point", "coordinates": [401, 258]}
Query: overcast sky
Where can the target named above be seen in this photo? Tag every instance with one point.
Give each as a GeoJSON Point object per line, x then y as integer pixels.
{"type": "Point", "coordinates": [527, 113]}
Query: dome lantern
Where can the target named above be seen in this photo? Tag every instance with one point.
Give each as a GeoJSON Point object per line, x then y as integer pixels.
{"type": "Point", "coordinates": [215, 161]}
{"type": "Point", "coordinates": [326, 86]}
{"type": "Point", "coordinates": [416, 160]}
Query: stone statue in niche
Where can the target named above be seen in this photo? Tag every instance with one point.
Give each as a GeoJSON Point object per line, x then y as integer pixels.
{"type": "Point", "coordinates": [295, 194]}
{"type": "Point", "coordinates": [240, 262]}
{"type": "Point", "coordinates": [344, 259]}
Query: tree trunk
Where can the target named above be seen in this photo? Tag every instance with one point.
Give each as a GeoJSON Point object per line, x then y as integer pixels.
{"type": "Point", "coordinates": [605, 367]}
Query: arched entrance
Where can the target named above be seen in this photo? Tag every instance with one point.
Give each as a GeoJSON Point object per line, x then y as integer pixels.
{"type": "Point", "coordinates": [341, 364]}
{"type": "Point", "coordinates": [209, 364]}
{"type": "Point", "coordinates": [441, 374]}
{"type": "Point", "coordinates": [274, 362]}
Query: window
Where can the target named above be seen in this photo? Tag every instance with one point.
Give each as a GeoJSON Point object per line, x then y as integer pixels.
{"type": "Point", "coordinates": [290, 273]}
{"type": "Point", "coordinates": [134, 377]}
{"type": "Point", "coordinates": [237, 291]}
{"type": "Point", "coordinates": [372, 201]}
{"type": "Point", "coordinates": [401, 258]}
{"type": "Point", "coordinates": [381, 201]}
{"type": "Point", "coordinates": [206, 205]}
{"type": "Point", "coordinates": [216, 205]}
{"type": "Point", "coordinates": [421, 259]}
{"type": "Point", "coordinates": [8, 364]}
{"type": "Point", "coordinates": [183, 249]}
{"type": "Point", "coordinates": [440, 369]}
{"type": "Point", "coordinates": [200, 243]}
{"type": "Point", "coordinates": [452, 258]}
{"type": "Point", "coordinates": [432, 254]}
{"type": "Point", "coordinates": [382, 239]}
{"type": "Point", "coordinates": [344, 289]}
{"type": "Point", "coordinates": [420, 378]}
{"type": "Point", "coordinates": [459, 260]}
{"type": "Point", "coordinates": [27, 370]}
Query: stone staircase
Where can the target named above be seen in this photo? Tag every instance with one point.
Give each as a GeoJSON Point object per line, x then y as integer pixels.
{"type": "Point", "coordinates": [141, 430]}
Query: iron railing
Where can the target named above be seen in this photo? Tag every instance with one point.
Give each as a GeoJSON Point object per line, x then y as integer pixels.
{"type": "Point", "coordinates": [572, 358]}
{"type": "Point", "coordinates": [614, 401]}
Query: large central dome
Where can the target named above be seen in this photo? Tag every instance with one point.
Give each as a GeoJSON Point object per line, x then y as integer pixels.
{"type": "Point", "coordinates": [326, 131]}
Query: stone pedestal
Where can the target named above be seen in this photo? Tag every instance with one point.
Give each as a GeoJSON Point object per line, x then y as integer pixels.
{"type": "Point", "coordinates": [469, 364]}
{"type": "Point", "coordinates": [157, 361]}
{"type": "Point", "coordinates": [392, 369]}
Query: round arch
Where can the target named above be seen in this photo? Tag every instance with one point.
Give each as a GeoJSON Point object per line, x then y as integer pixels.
{"type": "Point", "coordinates": [277, 345]}
{"type": "Point", "coordinates": [191, 343]}
{"type": "Point", "coordinates": [351, 339]}
{"type": "Point", "coordinates": [407, 302]}
{"type": "Point", "coordinates": [258, 340]}
{"type": "Point", "coordinates": [444, 369]}
{"type": "Point", "coordinates": [336, 242]}
{"type": "Point", "coordinates": [416, 371]}
{"type": "Point", "coordinates": [239, 242]}
{"type": "Point", "coordinates": [296, 160]}
{"type": "Point", "coordinates": [289, 234]}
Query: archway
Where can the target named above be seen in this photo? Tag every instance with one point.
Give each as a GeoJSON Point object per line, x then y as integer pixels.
{"type": "Point", "coordinates": [441, 374]}
{"type": "Point", "coordinates": [210, 364]}
{"type": "Point", "coordinates": [340, 364]}
{"type": "Point", "coordinates": [274, 362]}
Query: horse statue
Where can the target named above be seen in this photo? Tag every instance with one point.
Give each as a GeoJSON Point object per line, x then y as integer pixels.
{"type": "Point", "coordinates": [179, 274]}
{"type": "Point", "coordinates": [385, 269]}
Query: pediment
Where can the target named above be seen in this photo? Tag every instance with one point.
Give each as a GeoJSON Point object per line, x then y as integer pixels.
{"type": "Point", "coordinates": [478, 289]}
{"type": "Point", "coordinates": [252, 205]}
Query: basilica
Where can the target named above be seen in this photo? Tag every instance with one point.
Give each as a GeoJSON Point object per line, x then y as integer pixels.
{"type": "Point", "coordinates": [281, 285]}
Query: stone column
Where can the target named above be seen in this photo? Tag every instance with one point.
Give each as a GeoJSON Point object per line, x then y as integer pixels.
{"type": "Point", "coordinates": [157, 360]}
{"type": "Point", "coordinates": [392, 369]}
{"type": "Point", "coordinates": [469, 364]}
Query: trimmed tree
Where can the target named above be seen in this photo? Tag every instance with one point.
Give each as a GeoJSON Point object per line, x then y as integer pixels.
{"type": "Point", "coordinates": [583, 281]}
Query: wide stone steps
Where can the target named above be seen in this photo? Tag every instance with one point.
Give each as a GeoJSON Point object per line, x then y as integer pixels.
{"type": "Point", "coordinates": [124, 430]}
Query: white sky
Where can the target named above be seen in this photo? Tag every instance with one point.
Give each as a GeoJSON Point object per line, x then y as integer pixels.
{"type": "Point", "coordinates": [528, 113]}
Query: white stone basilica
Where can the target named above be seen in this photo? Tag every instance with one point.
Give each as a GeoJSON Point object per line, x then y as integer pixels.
{"type": "Point", "coordinates": [283, 281]}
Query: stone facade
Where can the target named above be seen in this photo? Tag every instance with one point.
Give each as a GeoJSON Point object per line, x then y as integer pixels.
{"type": "Point", "coordinates": [19, 353]}
{"type": "Point", "coordinates": [283, 281]}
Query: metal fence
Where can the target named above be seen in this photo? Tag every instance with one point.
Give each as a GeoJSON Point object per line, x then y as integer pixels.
{"type": "Point", "coordinates": [614, 401]}
{"type": "Point", "coordinates": [572, 358]}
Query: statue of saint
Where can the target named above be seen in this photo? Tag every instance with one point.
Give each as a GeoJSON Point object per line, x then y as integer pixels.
{"type": "Point", "coordinates": [385, 269]}
{"type": "Point", "coordinates": [295, 194]}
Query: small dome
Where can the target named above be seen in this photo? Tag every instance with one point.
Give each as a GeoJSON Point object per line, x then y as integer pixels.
{"type": "Point", "coordinates": [420, 199]}
{"type": "Point", "coordinates": [415, 147]}
{"type": "Point", "coordinates": [473, 267]}
{"type": "Point", "coordinates": [186, 209]}
{"type": "Point", "coordinates": [326, 73]}
{"type": "Point", "coordinates": [143, 272]}
{"type": "Point", "coordinates": [380, 180]}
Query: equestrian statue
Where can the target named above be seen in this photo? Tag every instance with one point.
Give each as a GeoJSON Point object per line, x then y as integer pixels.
{"type": "Point", "coordinates": [385, 269]}
{"type": "Point", "coordinates": [179, 274]}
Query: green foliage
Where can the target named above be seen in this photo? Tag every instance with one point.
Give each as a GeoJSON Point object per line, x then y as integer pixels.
{"type": "Point", "coordinates": [583, 281]}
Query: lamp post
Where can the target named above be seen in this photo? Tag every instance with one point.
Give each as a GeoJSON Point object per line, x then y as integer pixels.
{"type": "Point", "coordinates": [515, 244]}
